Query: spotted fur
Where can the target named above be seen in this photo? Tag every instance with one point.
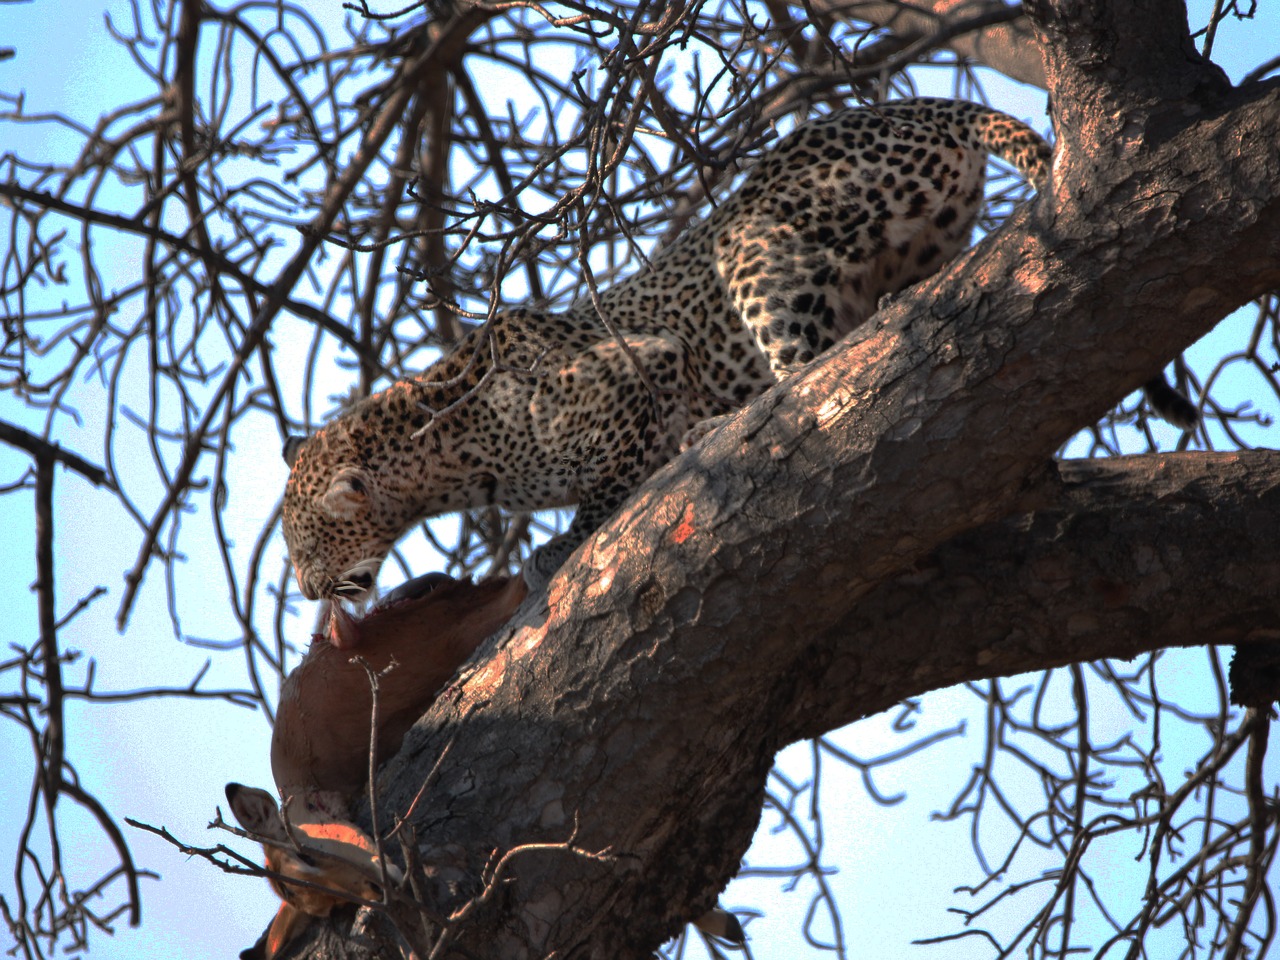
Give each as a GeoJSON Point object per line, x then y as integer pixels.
{"type": "Point", "coordinates": [543, 409]}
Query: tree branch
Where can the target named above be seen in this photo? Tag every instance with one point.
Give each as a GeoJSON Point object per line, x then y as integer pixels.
{"type": "Point", "coordinates": [43, 450]}
{"type": "Point", "coordinates": [1009, 48]}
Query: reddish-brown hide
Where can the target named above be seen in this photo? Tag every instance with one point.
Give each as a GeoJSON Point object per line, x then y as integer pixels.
{"type": "Point", "coordinates": [321, 739]}
{"type": "Point", "coordinates": [320, 748]}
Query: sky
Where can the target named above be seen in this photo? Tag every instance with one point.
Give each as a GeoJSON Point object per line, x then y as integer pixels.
{"type": "Point", "coordinates": [165, 762]}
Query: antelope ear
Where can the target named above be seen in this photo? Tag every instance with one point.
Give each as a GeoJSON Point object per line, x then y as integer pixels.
{"type": "Point", "coordinates": [255, 810]}
{"type": "Point", "coordinates": [292, 444]}
{"type": "Point", "coordinates": [348, 494]}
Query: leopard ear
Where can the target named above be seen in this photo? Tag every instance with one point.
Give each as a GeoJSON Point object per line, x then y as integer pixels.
{"type": "Point", "coordinates": [348, 494]}
{"type": "Point", "coordinates": [292, 445]}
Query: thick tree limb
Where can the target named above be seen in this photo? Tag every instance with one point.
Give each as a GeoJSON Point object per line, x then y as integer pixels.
{"type": "Point", "coordinates": [1133, 554]}
{"type": "Point", "coordinates": [1110, 566]}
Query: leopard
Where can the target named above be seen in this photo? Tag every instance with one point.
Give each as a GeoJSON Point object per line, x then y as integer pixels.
{"type": "Point", "coordinates": [539, 409]}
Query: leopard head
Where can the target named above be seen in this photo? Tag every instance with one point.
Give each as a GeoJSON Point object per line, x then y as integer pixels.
{"type": "Point", "coordinates": [340, 519]}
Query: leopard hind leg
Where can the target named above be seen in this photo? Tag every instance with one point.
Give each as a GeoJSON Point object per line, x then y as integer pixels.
{"type": "Point", "coordinates": [800, 280]}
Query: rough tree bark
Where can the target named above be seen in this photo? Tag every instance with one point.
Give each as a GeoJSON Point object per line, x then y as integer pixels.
{"type": "Point", "coordinates": [777, 581]}
{"type": "Point", "coordinates": [1099, 570]}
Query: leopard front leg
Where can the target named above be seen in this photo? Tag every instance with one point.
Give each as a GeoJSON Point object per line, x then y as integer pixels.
{"type": "Point", "coordinates": [612, 426]}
